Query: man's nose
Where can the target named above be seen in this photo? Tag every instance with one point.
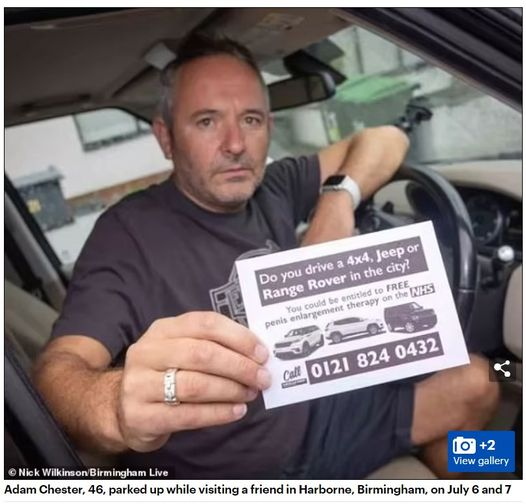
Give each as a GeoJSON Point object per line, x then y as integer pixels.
{"type": "Point", "coordinates": [234, 139]}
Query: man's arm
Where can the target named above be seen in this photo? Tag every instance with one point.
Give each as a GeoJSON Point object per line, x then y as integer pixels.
{"type": "Point", "coordinates": [219, 363]}
{"type": "Point", "coordinates": [72, 374]}
{"type": "Point", "coordinates": [370, 157]}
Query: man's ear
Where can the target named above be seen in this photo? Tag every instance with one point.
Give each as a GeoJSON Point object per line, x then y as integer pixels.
{"type": "Point", "coordinates": [163, 135]}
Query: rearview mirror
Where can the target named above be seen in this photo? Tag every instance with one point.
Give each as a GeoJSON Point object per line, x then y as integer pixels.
{"type": "Point", "coordinates": [300, 90]}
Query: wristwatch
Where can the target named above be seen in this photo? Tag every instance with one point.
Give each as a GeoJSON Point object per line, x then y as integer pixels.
{"type": "Point", "coordinates": [343, 183]}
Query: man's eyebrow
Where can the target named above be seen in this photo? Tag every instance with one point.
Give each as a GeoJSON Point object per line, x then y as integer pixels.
{"type": "Point", "coordinates": [257, 111]}
{"type": "Point", "coordinates": [202, 112]}
{"type": "Point", "coordinates": [207, 112]}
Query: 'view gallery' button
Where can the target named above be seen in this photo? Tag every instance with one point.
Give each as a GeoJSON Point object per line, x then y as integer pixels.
{"type": "Point", "coordinates": [481, 451]}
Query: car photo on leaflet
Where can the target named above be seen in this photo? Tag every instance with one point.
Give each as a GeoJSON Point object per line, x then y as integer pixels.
{"type": "Point", "coordinates": [409, 317]}
{"type": "Point", "coordinates": [299, 342]}
{"type": "Point", "coordinates": [352, 327]}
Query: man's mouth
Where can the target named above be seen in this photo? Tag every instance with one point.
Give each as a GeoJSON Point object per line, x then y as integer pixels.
{"type": "Point", "coordinates": [236, 171]}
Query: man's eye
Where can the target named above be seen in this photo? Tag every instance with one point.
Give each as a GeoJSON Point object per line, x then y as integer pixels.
{"type": "Point", "coordinates": [253, 120]}
{"type": "Point", "coordinates": [205, 122]}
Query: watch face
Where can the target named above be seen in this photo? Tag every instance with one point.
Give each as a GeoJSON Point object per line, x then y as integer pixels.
{"type": "Point", "coordinates": [334, 180]}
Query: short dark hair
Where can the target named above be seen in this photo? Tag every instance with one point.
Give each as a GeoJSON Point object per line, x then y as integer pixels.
{"type": "Point", "coordinates": [199, 45]}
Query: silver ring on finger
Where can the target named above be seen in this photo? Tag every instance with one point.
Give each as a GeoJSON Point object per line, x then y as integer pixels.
{"type": "Point", "coordinates": [170, 387]}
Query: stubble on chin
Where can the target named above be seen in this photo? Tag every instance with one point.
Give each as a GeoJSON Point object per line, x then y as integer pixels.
{"type": "Point", "coordinates": [234, 198]}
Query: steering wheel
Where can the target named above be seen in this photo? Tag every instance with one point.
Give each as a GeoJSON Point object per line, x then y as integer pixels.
{"type": "Point", "coordinates": [432, 197]}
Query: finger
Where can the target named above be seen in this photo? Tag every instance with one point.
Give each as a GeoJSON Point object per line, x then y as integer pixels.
{"type": "Point", "coordinates": [162, 419]}
{"type": "Point", "coordinates": [198, 355]}
{"type": "Point", "coordinates": [190, 386]}
{"type": "Point", "coordinates": [214, 327]}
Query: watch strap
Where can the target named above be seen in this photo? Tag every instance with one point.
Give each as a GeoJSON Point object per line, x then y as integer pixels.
{"type": "Point", "coordinates": [345, 183]}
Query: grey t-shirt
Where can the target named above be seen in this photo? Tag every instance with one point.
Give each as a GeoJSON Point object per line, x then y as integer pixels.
{"type": "Point", "coordinates": [156, 254]}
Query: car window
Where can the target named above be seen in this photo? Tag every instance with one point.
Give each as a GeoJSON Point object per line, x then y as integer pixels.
{"type": "Point", "coordinates": [69, 169]}
{"type": "Point", "coordinates": [382, 79]}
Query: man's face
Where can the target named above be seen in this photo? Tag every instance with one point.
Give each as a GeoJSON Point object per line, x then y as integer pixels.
{"type": "Point", "coordinates": [220, 132]}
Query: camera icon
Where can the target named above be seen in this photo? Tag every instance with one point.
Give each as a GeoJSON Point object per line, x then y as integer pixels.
{"type": "Point", "coordinates": [464, 445]}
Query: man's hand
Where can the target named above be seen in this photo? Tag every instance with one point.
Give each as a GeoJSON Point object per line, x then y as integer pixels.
{"type": "Point", "coordinates": [219, 366]}
{"type": "Point", "coordinates": [219, 371]}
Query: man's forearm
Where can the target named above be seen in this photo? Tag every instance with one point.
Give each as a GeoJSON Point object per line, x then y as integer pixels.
{"type": "Point", "coordinates": [333, 219]}
{"type": "Point", "coordinates": [83, 400]}
{"type": "Point", "coordinates": [370, 157]}
{"type": "Point", "coordinates": [374, 156]}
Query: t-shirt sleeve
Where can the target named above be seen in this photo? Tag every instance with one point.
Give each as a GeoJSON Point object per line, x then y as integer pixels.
{"type": "Point", "coordinates": [298, 181]}
{"type": "Point", "coordinates": [109, 277]}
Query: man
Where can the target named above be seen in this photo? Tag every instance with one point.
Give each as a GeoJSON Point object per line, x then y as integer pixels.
{"type": "Point", "coordinates": [142, 365]}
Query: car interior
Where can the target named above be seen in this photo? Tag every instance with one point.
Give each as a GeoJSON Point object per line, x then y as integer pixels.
{"type": "Point", "coordinates": [451, 78]}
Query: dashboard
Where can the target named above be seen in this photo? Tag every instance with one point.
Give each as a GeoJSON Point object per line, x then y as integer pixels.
{"type": "Point", "coordinates": [492, 193]}
{"type": "Point", "coordinates": [496, 219]}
